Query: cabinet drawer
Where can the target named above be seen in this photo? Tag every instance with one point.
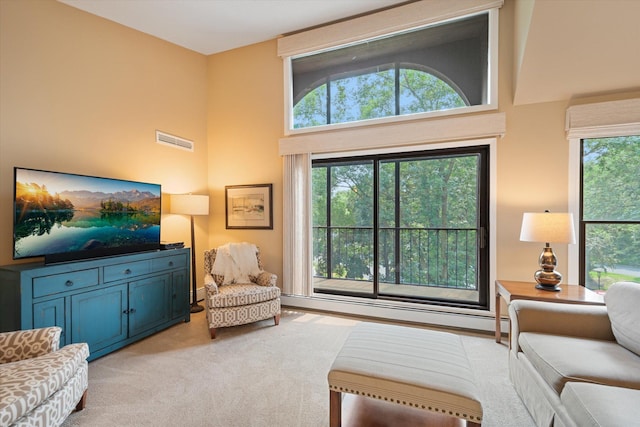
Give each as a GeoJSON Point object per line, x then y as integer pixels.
{"type": "Point", "coordinates": [55, 283]}
{"type": "Point", "coordinates": [168, 262]}
{"type": "Point", "coordinates": [125, 271]}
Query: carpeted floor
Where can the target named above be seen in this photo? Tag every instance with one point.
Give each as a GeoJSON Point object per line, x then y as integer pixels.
{"type": "Point", "coordinates": [253, 375]}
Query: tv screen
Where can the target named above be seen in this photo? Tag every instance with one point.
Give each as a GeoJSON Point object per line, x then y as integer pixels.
{"type": "Point", "coordinates": [66, 217]}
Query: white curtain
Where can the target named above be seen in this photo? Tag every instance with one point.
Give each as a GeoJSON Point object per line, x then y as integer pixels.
{"type": "Point", "coordinates": [297, 263]}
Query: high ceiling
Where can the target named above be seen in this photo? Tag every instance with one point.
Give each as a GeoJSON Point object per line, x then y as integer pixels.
{"type": "Point", "coordinates": [212, 26]}
{"type": "Point", "coordinates": [565, 48]}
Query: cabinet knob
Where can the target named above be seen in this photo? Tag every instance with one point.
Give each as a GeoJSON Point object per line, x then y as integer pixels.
{"type": "Point", "coordinates": [132, 310]}
{"type": "Point", "coordinates": [170, 263]}
{"type": "Point", "coordinates": [68, 283]}
{"type": "Point", "coordinates": [127, 271]}
{"type": "Point", "coordinates": [125, 312]}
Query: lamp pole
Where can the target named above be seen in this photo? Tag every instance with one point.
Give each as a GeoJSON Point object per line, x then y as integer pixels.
{"type": "Point", "coordinates": [195, 307]}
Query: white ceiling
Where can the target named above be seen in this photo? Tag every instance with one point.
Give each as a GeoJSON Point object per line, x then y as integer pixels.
{"type": "Point", "coordinates": [212, 26]}
{"type": "Point", "coordinates": [566, 48]}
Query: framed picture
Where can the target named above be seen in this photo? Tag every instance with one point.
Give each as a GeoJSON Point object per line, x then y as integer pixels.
{"type": "Point", "coordinates": [249, 206]}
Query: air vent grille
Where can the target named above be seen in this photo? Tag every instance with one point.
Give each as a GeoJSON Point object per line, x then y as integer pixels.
{"type": "Point", "coordinates": [173, 141]}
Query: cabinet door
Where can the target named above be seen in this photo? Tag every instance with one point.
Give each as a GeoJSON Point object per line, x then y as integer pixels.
{"type": "Point", "coordinates": [51, 313]}
{"type": "Point", "coordinates": [99, 317]}
{"type": "Point", "coordinates": [149, 303]}
{"type": "Point", "coordinates": [179, 294]}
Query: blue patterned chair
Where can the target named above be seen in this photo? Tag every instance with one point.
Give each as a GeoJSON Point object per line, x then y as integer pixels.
{"type": "Point", "coordinates": [239, 303]}
{"type": "Point", "coordinates": [40, 384]}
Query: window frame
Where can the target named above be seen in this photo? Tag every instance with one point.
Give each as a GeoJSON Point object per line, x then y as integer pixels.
{"type": "Point", "coordinates": [441, 15]}
{"type": "Point", "coordinates": [484, 244]}
{"type": "Point", "coordinates": [584, 121]}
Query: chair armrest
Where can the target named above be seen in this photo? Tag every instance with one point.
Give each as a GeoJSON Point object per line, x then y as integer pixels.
{"type": "Point", "coordinates": [574, 320]}
{"type": "Point", "coordinates": [27, 344]}
{"type": "Point", "coordinates": [210, 285]}
{"type": "Point", "coordinates": [266, 279]}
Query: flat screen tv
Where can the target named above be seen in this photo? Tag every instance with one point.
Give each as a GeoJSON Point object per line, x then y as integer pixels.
{"type": "Point", "coordinates": [67, 217]}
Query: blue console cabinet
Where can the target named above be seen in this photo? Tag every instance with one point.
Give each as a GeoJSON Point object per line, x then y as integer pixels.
{"type": "Point", "coordinates": [108, 302]}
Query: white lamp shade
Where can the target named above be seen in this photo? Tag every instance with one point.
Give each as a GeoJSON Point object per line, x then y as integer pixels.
{"type": "Point", "coordinates": [547, 227]}
{"type": "Point", "coordinates": [189, 204]}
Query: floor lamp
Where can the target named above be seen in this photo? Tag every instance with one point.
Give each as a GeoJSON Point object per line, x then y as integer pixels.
{"type": "Point", "coordinates": [191, 204]}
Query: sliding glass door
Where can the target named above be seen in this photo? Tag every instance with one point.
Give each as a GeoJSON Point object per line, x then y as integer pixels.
{"type": "Point", "coordinates": [403, 226]}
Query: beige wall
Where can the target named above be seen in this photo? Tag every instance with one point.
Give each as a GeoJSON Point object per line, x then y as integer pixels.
{"type": "Point", "coordinates": [84, 95]}
{"type": "Point", "coordinates": [244, 124]}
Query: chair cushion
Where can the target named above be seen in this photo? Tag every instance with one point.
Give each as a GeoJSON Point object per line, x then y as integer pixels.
{"type": "Point", "coordinates": [241, 294]}
{"type": "Point", "coordinates": [601, 406]}
{"type": "Point", "coordinates": [25, 384]}
{"type": "Point", "coordinates": [622, 301]}
{"type": "Point", "coordinates": [560, 359]}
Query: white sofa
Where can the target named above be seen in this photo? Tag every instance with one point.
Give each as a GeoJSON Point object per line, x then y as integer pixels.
{"type": "Point", "coordinates": [40, 384]}
{"type": "Point", "coordinates": [578, 365]}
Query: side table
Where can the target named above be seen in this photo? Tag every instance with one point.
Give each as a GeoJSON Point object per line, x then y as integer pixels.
{"type": "Point", "coordinates": [569, 294]}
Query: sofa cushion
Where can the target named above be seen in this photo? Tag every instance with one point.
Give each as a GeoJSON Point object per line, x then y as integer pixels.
{"type": "Point", "coordinates": [622, 301]}
{"type": "Point", "coordinates": [242, 294]}
{"type": "Point", "coordinates": [25, 384]}
{"type": "Point", "coordinates": [599, 405]}
{"type": "Point", "coordinates": [560, 359]}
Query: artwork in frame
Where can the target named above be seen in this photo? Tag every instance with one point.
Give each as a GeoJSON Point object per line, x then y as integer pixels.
{"type": "Point", "coordinates": [249, 206]}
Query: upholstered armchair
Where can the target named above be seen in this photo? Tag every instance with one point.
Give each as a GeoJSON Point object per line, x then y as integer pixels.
{"type": "Point", "coordinates": [240, 291]}
{"type": "Point", "coordinates": [40, 384]}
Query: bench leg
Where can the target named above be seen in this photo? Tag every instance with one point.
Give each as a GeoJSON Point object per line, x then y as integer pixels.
{"type": "Point", "coordinates": [335, 408]}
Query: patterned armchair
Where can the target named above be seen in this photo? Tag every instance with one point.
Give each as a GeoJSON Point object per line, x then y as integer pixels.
{"type": "Point", "coordinates": [40, 385]}
{"type": "Point", "coordinates": [239, 303]}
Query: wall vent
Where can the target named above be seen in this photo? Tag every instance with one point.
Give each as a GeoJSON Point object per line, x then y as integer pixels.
{"type": "Point", "coordinates": [173, 141]}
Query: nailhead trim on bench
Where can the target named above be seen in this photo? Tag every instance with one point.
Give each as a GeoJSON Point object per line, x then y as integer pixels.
{"type": "Point", "coordinates": [411, 404]}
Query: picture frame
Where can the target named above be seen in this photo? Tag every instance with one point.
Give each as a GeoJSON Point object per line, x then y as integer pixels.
{"type": "Point", "coordinates": [249, 206]}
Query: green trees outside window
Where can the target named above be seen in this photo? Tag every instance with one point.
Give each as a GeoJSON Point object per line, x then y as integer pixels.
{"type": "Point", "coordinates": [403, 225]}
{"type": "Point", "coordinates": [375, 94]}
{"type": "Point", "coordinates": [610, 214]}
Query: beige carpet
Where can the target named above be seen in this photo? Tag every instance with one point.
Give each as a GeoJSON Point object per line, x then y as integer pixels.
{"type": "Point", "coordinates": [253, 375]}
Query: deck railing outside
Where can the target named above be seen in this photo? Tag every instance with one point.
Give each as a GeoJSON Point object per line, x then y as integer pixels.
{"type": "Point", "coordinates": [436, 257]}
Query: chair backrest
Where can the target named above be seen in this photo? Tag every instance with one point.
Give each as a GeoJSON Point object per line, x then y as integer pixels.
{"type": "Point", "coordinates": [210, 258]}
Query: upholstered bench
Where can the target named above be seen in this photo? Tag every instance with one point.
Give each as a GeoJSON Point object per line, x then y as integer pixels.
{"type": "Point", "coordinates": [419, 368]}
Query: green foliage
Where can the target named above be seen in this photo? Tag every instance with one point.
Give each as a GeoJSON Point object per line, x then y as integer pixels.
{"type": "Point", "coordinates": [372, 94]}
{"type": "Point", "coordinates": [611, 185]}
{"type": "Point", "coordinates": [437, 220]}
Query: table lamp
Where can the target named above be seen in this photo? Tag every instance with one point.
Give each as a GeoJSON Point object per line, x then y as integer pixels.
{"type": "Point", "coordinates": [547, 227]}
{"type": "Point", "coordinates": [191, 204]}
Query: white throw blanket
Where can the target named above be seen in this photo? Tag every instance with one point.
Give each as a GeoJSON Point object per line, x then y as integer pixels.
{"type": "Point", "coordinates": [236, 262]}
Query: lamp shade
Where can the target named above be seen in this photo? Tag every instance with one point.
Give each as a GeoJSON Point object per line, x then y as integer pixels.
{"type": "Point", "coordinates": [189, 204]}
{"type": "Point", "coordinates": [547, 227]}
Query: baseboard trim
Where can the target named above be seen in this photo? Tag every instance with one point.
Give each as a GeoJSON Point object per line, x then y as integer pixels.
{"type": "Point", "coordinates": [426, 315]}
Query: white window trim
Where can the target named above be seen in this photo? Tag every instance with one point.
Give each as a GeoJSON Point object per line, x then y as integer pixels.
{"type": "Point", "coordinates": [393, 310]}
{"type": "Point", "coordinates": [402, 18]}
{"type": "Point", "coordinates": [594, 120]}
{"type": "Point", "coordinates": [397, 134]}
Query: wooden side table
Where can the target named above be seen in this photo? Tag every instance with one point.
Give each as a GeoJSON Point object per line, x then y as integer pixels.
{"type": "Point", "coordinates": [569, 294]}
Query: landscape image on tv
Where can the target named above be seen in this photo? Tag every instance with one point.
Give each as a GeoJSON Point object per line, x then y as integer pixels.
{"type": "Point", "coordinates": [57, 213]}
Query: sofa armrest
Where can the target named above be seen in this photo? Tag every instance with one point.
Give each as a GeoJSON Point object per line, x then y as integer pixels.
{"type": "Point", "coordinates": [27, 344]}
{"type": "Point", "coordinates": [266, 279]}
{"type": "Point", "coordinates": [575, 320]}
